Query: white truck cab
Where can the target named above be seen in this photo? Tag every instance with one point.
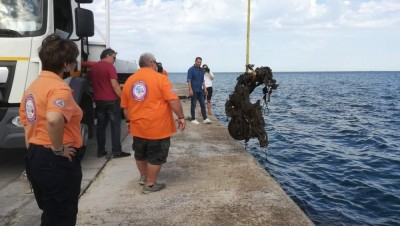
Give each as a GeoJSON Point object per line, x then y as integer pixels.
{"type": "Point", "coordinates": [23, 26]}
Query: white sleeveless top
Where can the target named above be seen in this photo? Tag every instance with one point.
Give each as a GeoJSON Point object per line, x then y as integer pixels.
{"type": "Point", "coordinates": [208, 77]}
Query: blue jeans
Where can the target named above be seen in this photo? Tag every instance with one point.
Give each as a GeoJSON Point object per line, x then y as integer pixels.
{"type": "Point", "coordinates": [108, 111]}
{"type": "Point", "coordinates": [198, 96]}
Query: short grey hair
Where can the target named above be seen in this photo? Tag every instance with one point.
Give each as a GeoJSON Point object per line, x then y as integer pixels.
{"type": "Point", "coordinates": [146, 59]}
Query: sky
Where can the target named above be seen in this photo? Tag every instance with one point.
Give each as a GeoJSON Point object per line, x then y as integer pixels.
{"type": "Point", "coordinates": [285, 35]}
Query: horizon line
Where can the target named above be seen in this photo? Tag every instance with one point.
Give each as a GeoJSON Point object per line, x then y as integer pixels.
{"type": "Point", "coordinates": [304, 71]}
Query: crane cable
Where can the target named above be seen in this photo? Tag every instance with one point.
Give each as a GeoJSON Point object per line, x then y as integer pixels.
{"type": "Point", "coordinates": [248, 36]}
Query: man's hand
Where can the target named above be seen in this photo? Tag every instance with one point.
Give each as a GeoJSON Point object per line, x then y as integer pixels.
{"type": "Point", "coordinates": [190, 89]}
{"type": "Point", "coordinates": [181, 124]}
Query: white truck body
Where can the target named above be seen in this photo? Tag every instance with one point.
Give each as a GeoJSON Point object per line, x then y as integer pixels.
{"type": "Point", "coordinates": [23, 26]}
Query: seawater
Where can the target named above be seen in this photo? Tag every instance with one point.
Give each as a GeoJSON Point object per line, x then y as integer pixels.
{"type": "Point", "coordinates": [334, 142]}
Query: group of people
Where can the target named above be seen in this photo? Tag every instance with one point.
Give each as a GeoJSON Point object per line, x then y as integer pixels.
{"type": "Point", "coordinates": [51, 120]}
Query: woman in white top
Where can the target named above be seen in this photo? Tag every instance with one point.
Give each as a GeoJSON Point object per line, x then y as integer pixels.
{"type": "Point", "coordinates": [208, 77]}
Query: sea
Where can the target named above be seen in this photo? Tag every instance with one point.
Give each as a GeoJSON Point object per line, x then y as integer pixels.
{"type": "Point", "coordinates": [334, 142]}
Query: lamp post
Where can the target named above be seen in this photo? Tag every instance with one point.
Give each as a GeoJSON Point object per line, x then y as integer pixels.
{"type": "Point", "coordinates": [107, 23]}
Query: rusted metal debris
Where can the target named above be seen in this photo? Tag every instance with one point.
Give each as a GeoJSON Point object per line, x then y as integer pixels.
{"type": "Point", "coordinates": [247, 118]}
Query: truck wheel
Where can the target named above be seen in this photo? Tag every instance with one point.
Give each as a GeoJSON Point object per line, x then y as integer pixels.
{"type": "Point", "coordinates": [88, 113]}
{"type": "Point", "coordinates": [85, 137]}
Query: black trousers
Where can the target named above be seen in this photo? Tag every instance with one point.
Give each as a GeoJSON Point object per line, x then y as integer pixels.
{"type": "Point", "coordinates": [56, 183]}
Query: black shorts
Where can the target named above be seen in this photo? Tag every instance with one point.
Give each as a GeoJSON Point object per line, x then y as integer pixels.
{"type": "Point", "coordinates": [154, 151]}
{"type": "Point", "coordinates": [209, 93]}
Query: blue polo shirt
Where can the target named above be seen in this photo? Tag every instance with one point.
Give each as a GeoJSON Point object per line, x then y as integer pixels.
{"type": "Point", "coordinates": [195, 75]}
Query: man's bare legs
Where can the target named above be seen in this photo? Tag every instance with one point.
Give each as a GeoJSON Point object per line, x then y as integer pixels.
{"type": "Point", "coordinates": [142, 167]}
{"type": "Point", "coordinates": [152, 173]}
{"type": "Point", "coordinates": [149, 170]}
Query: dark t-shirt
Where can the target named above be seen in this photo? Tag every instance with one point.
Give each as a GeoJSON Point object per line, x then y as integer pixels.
{"type": "Point", "coordinates": [100, 75]}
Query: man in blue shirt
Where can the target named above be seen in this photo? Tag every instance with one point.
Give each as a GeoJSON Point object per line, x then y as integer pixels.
{"type": "Point", "coordinates": [197, 90]}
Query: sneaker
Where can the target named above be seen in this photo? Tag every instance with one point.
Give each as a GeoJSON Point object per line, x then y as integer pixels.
{"type": "Point", "coordinates": [155, 187]}
{"type": "Point", "coordinates": [101, 154]}
{"type": "Point", "coordinates": [121, 154]}
{"type": "Point", "coordinates": [142, 180]}
{"type": "Point", "coordinates": [207, 120]}
{"type": "Point", "coordinates": [194, 121]}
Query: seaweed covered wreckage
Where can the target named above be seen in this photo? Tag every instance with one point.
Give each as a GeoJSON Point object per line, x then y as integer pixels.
{"type": "Point", "coordinates": [246, 118]}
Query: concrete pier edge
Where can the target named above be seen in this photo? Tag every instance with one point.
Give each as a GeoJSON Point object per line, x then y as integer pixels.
{"type": "Point", "coordinates": [211, 180]}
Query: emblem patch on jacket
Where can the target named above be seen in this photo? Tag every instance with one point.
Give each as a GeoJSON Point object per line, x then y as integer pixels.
{"type": "Point", "coordinates": [139, 90]}
{"type": "Point", "coordinates": [60, 103]}
{"type": "Point", "coordinates": [30, 109]}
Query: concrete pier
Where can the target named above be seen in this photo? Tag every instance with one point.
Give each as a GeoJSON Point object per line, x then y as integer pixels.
{"type": "Point", "coordinates": [211, 180]}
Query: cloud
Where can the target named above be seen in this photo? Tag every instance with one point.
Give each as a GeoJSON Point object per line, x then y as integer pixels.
{"type": "Point", "coordinates": [176, 31]}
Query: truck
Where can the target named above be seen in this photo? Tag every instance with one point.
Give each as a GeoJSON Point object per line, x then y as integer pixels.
{"type": "Point", "coordinates": [23, 26]}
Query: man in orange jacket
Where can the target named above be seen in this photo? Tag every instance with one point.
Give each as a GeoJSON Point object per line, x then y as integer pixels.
{"type": "Point", "coordinates": [148, 100]}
